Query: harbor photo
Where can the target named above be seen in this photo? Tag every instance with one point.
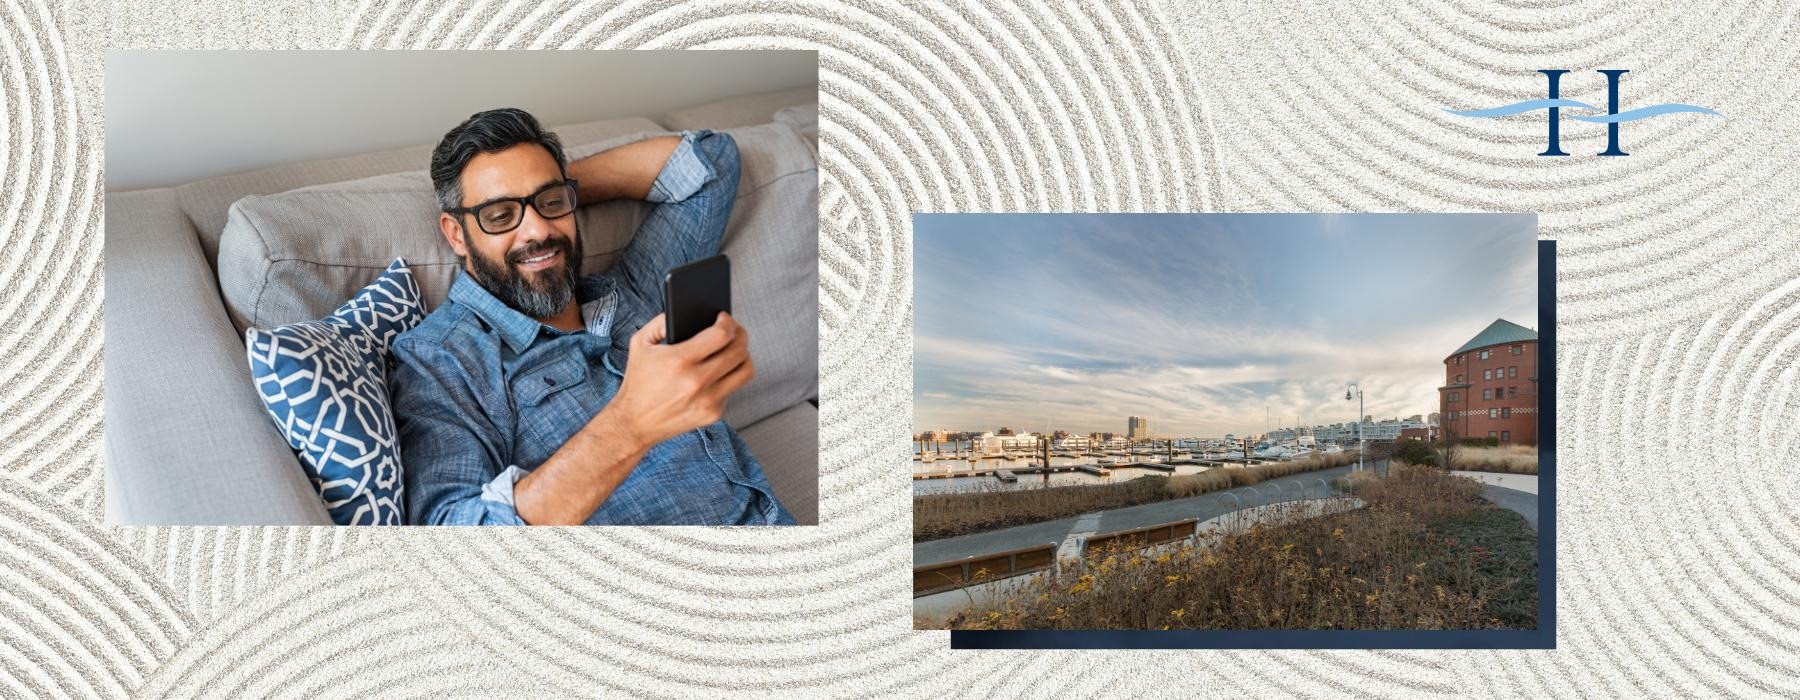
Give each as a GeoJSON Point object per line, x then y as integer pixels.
{"type": "Point", "coordinates": [1225, 422]}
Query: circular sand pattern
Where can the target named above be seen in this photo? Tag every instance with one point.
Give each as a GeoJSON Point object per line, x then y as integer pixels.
{"type": "Point", "coordinates": [50, 269]}
{"type": "Point", "coordinates": [929, 109]}
{"type": "Point", "coordinates": [1677, 321]}
{"type": "Point", "coordinates": [1355, 121]}
{"type": "Point", "coordinates": [78, 615]}
{"type": "Point", "coordinates": [1678, 308]}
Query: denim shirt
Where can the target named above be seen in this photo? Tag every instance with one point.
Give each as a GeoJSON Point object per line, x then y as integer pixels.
{"type": "Point", "coordinates": [484, 394]}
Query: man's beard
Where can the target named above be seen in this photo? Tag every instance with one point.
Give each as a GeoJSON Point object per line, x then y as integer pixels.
{"type": "Point", "coordinates": [540, 294]}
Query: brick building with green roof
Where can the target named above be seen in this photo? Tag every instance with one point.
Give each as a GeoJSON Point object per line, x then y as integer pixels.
{"type": "Point", "coordinates": [1490, 386]}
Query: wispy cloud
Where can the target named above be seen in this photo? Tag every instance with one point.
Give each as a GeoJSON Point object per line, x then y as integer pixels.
{"type": "Point", "coordinates": [1203, 322]}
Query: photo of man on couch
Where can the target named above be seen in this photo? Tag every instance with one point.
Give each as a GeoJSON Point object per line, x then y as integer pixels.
{"type": "Point", "coordinates": [636, 438]}
{"type": "Point", "coordinates": [309, 326]}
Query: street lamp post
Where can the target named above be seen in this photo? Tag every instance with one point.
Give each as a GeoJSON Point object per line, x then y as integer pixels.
{"type": "Point", "coordinates": [1361, 448]}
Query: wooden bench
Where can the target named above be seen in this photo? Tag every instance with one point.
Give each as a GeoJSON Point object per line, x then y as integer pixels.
{"type": "Point", "coordinates": [948, 576]}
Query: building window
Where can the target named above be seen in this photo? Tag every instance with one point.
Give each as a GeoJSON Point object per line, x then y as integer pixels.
{"type": "Point", "coordinates": [1487, 374]}
{"type": "Point", "coordinates": [1459, 379]}
{"type": "Point", "coordinates": [1491, 434]}
{"type": "Point", "coordinates": [1518, 349]}
{"type": "Point", "coordinates": [1505, 412]}
{"type": "Point", "coordinates": [1506, 436]}
{"type": "Point", "coordinates": [1493, 413]}
{"type": "Point", "coordinates": [1512, 371]}
{"type": "Point", "coordinates": [1512, 392]}
{"type": "Point", "coordinates": [1487, 394]}
{"type": "Point", "coordinates": [1484, 354]}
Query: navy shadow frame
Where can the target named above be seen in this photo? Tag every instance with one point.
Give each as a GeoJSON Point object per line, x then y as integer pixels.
{"type": "Point", "coordinates": [1544, 637]}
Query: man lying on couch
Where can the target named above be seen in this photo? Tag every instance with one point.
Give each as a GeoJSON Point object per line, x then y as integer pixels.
{"type": "Point", "coordinates": [515, 401]}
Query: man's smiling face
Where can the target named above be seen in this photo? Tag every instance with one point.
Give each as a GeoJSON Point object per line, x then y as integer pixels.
{"type": "Point", "coordinates": [531, 268]}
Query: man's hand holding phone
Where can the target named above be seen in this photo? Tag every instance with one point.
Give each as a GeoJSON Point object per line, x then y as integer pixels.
{"type": "Point", "coordinates": [671, 389]}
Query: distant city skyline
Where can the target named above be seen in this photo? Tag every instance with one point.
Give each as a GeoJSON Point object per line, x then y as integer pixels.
{"type": "Point", "coordinates": [1428, 418]}
{"type": "Point", "coordinates": [1201, 321]}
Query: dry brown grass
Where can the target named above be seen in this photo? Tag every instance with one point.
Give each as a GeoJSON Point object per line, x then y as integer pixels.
{"type": "Point", "coordinates": [1511, 459]}
{"type": "Point", "coordinates": [949, 514]}
{"type": "Point", "coordinates": [1221, 479]}
{"type": "Point", "coordinates": [1426, 553]}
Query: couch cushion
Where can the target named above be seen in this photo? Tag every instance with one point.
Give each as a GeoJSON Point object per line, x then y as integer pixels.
{"type": "Point", "coordinates": [186, 440]}
{"type": "Point", "coordinates": [325, 384]}
{"type": "Point", "coordinates": [293, 256]}
{"type": "Point", "coordinates": [804, 119]}
{"type": "Point", "coordinates": [746, 110]}
{"type": "Point", "coordinates": [207, 202]}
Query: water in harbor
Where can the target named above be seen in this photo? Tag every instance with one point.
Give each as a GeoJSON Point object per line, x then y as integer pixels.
{"type": "Point", "coordinates": [965, 482]}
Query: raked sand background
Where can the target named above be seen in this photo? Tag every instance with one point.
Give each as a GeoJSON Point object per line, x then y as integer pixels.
{"type": "Point", "coordinates": [1678, 543]}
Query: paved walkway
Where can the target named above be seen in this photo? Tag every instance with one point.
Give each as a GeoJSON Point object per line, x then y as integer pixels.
{"type": "Point", "coordinates": [1514, 500]}
{"type": "Point", "coordinates": [1204, 506]}
{"type": "Point", "coordinates": [1514, 492]}
{"type": "Point", "coordinates": [1517, 482]}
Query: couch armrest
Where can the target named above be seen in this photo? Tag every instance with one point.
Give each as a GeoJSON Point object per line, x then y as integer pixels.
{"type": "Point", "coordinates": [187, 440]}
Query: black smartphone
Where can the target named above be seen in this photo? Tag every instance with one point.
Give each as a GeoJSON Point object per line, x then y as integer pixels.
{"type": "Point", "coordinates": [693, 296]}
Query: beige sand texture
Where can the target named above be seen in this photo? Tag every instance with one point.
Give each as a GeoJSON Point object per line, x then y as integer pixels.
{"type": "Point", "coordinates": [1680, 313]}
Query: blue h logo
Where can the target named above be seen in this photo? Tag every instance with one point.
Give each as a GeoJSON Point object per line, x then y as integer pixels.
{"type": "Point", "coordinates": [1553, 104]}
{"type": "Point", "coordinates": [1555, 138]}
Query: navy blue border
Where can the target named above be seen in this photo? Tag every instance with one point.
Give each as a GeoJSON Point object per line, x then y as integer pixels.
{"type": "Point", "coordinates": [1544, 637]}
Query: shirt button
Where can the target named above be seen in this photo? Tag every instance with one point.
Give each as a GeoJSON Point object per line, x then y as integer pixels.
{"type": "Point", "coordinates": [550, 380]}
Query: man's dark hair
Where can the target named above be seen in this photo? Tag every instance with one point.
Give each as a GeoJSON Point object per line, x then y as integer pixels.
{"type": "Point", "coordinates": [486, 132]}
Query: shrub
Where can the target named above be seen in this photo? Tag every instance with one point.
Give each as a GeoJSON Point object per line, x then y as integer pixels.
{"type": "Point", "coordinates": [1416, 452]}
{"type": "Point", "coordinates": [1426, 553]}
{"type": "Point", "coordinates": [1512, 459]}
{"type": "Point", "coordinates": [942, 515]}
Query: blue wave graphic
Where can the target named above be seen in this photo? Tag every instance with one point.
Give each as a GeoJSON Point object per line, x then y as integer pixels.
{"type": "Point", "coordinates": [1626, 116]}
{"type": "Point", "coordinates": [1645, 113]}
{"type": "Point", "coordinates": [1521, 107]}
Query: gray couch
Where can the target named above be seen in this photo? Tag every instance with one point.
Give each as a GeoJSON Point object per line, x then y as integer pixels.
{"type": "Point", "coordinates": [187, 440]}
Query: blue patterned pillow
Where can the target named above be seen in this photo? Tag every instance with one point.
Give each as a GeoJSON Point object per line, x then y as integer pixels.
{"type": "Point", "coordinates": [325, 384]}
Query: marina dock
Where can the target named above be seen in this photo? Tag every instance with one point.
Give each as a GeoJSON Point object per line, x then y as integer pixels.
{"type": "Point", "coordinates": [1011, 473]}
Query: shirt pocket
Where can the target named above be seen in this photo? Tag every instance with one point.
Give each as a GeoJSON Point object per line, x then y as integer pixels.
{"type": "Point", "coordinates": [553, 401]}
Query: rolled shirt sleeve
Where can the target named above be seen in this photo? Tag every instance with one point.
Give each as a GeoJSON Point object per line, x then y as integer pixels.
{"type": "Point", "coordinates": [694, 194]}
{"type": "Point", "coordinates": [685, 171]}
{"type": "Point", "coordinates": [497, 495]}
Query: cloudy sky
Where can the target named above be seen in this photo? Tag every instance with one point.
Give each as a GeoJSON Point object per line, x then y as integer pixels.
{"type": "Point", "coordinates": [1201, 321]}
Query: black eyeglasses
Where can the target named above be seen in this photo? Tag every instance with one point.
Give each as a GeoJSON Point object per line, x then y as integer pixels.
{"type": "Point", "coordinates": [555, 201]}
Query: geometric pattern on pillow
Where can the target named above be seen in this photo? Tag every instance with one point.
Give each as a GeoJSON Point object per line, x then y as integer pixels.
{"type": "Point", "coordinates": [324, 383]}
